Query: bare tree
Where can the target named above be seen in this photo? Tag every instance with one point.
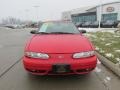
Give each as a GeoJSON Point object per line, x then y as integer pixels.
{"type": "Point", "coordinates": [11, 20]}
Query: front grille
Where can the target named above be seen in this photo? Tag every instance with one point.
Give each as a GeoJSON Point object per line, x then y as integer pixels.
{"type": "Point", "coordinates": [51, 72]}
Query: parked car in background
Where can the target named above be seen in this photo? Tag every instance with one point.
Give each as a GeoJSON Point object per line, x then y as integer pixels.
{"type": "Point", "coordinates": [78, 24]}
{"type": "Point", "coordinates": [58, 48]}
{"type": "Point", "coordinates": [33, 25]}
{"type": "Point", "coordinates": [116, 24]}
{"type": "Point", "coordinates": [14, 26]}
{"type": "Point", "coordinates": [9, 26]}
{"type": "Point", "coordinates": [94, 24]}
{"type": "Point", "coordinates": [108, 24]}
{"type": "Point", "coordinates": [86, 24]}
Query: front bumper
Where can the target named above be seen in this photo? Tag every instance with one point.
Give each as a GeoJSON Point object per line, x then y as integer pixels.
{"type": "Point", "coordinates": [44, 67]}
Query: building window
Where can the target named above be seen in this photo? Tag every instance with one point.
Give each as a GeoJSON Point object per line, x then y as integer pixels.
{"type": "Point", "coordinates": [75, 19]}
{"type": "Point", "coordinates": [111, 16]}
{"type": "Point", "coordinates": [87, 17]}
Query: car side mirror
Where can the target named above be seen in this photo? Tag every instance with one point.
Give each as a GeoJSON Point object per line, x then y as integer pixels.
{"type": "Point", "coordinates": [33, 32]}
{"type": "Point", "coordinates": [82, 31]}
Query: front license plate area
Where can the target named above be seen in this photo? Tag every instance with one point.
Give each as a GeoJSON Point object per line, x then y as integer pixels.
{"type": "Point", "coordinates": [61, 68]}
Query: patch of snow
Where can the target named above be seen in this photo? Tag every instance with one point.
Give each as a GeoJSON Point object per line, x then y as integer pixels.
{"type": "Point", "coordinates": [98, 62]}
{"type": "Point", "coordinates": [89, 29]}
{"type": "Point", "coordinates": [105, 81]}
{"type": "Point", "coordinates": [118, 59]}
{"type": "Point", "coordinates": [113, 42]}
{"type": "Point", "coordinates": [117, 51]}
{"type": "Point", "coordinates": [102, 51]}
{"type": "Point", "coordinates": [108, 44]}
{"type": "Point", "coordinates": [111, 31]}
{"type": "Point", "coordinates": [109, 55]}
{"type": "Point", "coordinates": [98, 29]}
{"type": "Point", "coordinates": [103, 39]}
{"type": "Point", "coordinates": [117, 36]}
{"type": "Point", "coordinates": [108, 78]}
{"type": "Point", "coordinates": [97, 70]}
{"type": "Point", "coordinates": [97, 48]}
{"type": "Point", "coordinates": [90, 35]}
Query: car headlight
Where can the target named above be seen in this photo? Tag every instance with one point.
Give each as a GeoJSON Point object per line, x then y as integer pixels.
{"type": "Point", "coordinates": [83, 54]}
{"type": "Point", "coordinates": [36, 55]}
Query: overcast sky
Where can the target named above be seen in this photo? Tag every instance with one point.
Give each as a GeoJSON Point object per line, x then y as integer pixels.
{"type": "Point", "coordinates": [48, 9]}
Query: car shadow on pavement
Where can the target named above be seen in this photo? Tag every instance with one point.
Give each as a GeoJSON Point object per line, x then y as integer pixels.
{"type": "Point", "coordinates": [70, 82]}
{"type": "Point", "coordinates": [59, 78]}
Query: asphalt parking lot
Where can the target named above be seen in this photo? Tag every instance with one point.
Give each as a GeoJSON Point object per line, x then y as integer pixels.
{"type": "Point", "coordinates": [14, 77]}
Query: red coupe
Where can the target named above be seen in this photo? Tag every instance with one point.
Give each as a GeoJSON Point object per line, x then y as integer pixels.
{"type": "Point", "coordinates": [58, 48]}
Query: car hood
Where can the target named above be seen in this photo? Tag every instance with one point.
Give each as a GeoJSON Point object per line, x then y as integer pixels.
{"type": "Point", "coordinates": [59, 44]}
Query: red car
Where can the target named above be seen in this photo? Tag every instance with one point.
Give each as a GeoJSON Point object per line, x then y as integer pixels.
{"type": "Point", "coordinates": [58, 48]}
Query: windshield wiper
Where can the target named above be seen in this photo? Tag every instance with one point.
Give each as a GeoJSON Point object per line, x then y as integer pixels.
{"type": "Point", "coordinates": [54, 33]}
{"type": "Point", "coordinates": [61, 33]}
{"type": "Point", "coordinates": [42, 33]}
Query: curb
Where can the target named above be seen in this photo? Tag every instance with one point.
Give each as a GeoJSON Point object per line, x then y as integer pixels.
{"type": "Point", "coordinates": [109, 64]}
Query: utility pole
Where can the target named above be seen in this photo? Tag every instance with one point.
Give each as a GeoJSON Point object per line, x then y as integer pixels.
{"type": "Point", "coordinates": [27, 14]}
{"type": "Point", "coordinates": [100, 13]}
{"type": "Point", "coordinates": [37, 12]}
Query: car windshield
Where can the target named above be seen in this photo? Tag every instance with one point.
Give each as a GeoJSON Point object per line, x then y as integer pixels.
{"type": "Point", "coordinates": [58, 28]}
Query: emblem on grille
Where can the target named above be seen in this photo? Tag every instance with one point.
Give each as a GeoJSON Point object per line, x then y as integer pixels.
{"type": "Point", "coordinates": [60, 57]}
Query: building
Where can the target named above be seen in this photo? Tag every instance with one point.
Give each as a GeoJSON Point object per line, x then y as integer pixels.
{"type": "Point", "coordinates": [109, 11]}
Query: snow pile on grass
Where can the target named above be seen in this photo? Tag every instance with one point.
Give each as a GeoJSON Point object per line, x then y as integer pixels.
{"type": "Point", "coordinates": [101, 51]}
{"type": "Point", "coordinates": [93, 36]}
{"type": "Point", "coordinates": [117, 36]}
{"type": "Point", "coordinates": [89, 29]}
{"type": "Point", "coordinates": [103, 39]}
{"type": "Point", "coordinates": [117, 51]}
{"type": "Point", "coordinates": [109, 55]}
{"type": "Point", "coordinates": [118, 59]}
{"type": "Point", "coordinates": [97, 48]}
{"type": "Point", "coordinates": [108, 44]}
